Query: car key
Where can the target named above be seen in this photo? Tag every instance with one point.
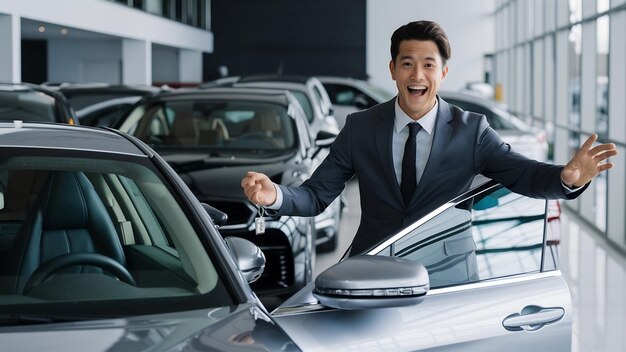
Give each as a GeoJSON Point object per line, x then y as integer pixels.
{"type": "Point", "coordinates": [259, 222]}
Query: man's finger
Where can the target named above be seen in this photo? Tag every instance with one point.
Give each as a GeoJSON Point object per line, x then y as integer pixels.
{"type": "Point", "coordinates": [589, 142]}
{"type": "Point", "coordinates": [604, 155]}
{"type": "Point", "coordinates": [603, 148]}
{"type": "Point", "coordinates": [605, 166]}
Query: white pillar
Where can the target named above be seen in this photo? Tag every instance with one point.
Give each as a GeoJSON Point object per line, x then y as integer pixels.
{"type": "Point", "coordinates": [190, 66]}
{"type": "Point", "coordinates": [136, 61]}
{"type": "Point", "coordinates": [10, 48]}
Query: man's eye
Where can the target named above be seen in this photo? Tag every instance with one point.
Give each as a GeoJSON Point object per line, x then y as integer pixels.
{"type": "Point", "coordinates": [429, 65]}
{"type": "Point", "coordinates": [407, 64]}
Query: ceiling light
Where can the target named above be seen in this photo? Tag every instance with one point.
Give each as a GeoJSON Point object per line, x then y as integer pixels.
{"type": "Point", "coordinates": [64, 31]}
{"type": "Point", "coordinates": [42, 29]}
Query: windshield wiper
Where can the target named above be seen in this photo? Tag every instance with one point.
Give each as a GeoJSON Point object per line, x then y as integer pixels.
{"type": "Point", "coordinates": [26, 319]}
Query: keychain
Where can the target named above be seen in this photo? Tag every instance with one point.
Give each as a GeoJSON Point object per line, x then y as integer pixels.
{"type": "Point", "coordinates": [259, 222]}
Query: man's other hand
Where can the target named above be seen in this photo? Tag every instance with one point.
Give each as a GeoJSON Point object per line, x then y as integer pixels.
{"type": "Point", "coordinates": [588, 162]}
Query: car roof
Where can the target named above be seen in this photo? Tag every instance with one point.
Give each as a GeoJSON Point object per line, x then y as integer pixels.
{"type": "Point", "coordinates": [282, 97]}
{"type": "Point", "coordinates": [25, 87]}
{"type": "Point", "coordinates": [65, 137]}
{"type": "Point", "coordinates": [88, 88]}
{"type": "Point", "coordinates": [275, 78]}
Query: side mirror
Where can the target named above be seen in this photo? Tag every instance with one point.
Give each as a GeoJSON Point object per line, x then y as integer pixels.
{"type": "Point", "coordinates": [219, 217]}
{"type": "Point", "coordinates": [364, 282]}
{"type": "Point", "coordinates": [250, 259]}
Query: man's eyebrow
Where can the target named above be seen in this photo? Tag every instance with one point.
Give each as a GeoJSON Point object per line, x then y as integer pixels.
{"type": "Point", "coordinates": [409, 57]}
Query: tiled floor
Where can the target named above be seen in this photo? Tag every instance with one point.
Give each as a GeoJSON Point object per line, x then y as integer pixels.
{"type": "Point", "coordinates": [596, 273]}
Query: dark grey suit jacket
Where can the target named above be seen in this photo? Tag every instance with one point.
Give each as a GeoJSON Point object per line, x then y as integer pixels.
{"type": "Point", "coordinates": [464, 145]}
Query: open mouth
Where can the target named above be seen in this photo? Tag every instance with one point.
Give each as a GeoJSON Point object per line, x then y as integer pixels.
{"type": "Point", "coordinates": [417, 91]}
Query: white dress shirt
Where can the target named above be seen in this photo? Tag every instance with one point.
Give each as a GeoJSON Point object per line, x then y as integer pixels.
{"type": "Point", "coordinates": [424, 140]}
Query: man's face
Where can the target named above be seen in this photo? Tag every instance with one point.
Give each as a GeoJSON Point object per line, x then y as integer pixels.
{"type": "Point", "coordinates": [418, 72]}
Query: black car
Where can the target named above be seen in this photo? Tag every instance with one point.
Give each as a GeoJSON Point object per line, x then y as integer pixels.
{"type": "Point", "coordinates": [212, 137]}
{"type": "Point", "coordinates": [103, 104]}
{"type": "Point", "coordinates": [30, 102]}
{"type": "Point", "coordinates": [317, 107]}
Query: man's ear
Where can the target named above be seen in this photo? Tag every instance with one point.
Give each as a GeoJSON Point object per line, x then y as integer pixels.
{"type": "Point", "coordinates": [444, 73]}
{"type": "Point", "coordinates": [392, 69]}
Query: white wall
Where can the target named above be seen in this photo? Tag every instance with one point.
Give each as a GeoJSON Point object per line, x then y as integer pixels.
{"type": "Point", "coordinates": [469, 25]}
{"type": "Point", "coordinates": [113, 19]}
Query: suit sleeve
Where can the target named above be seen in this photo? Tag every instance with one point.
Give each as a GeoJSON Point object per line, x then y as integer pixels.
{"type": "Point", "coordinates": [495, 159]}
{"type": "Point", "coordinates": [326, 183]}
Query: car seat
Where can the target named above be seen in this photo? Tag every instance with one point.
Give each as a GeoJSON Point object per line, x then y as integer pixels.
{"type": "Point", "coordinates": [67, 217]}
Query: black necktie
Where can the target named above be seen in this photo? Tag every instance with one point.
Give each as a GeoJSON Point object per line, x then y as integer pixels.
{"type": "Point", "coordinates": [408, 184]}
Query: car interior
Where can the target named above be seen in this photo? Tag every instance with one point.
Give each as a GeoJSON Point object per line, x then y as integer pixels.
{"type": "Point", "coordinates": [222, 125]}
{"type": "Point", "coordinates": [106, 229]}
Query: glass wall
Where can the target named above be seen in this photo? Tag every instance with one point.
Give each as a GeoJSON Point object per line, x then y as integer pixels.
{"type": "Point", "coordinates": [560, 65]}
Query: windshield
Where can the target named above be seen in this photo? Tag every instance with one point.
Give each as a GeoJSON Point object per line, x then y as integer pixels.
{"type": "Point", "coordinates": [91, 236]}
{"type": "Point", "coordinates": [27, 105]}
{"type": "Point", "coordinates": [241, 125]}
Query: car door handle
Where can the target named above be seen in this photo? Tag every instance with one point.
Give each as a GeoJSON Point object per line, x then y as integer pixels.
{"type": "Point", "coordinates": [532, 318]}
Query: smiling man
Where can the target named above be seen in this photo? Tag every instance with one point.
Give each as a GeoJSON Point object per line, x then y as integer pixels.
{"type": "Point", "coordinates": [415, 152]}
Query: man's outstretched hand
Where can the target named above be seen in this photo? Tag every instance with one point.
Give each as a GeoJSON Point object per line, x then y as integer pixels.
{"type": "Point", "coordinates": [259, 188]}
{"type": "Point", "coordinates": [588, 162]}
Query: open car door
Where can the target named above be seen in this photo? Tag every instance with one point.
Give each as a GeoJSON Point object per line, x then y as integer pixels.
{"type": "Point", "coordinates": [494, 285]}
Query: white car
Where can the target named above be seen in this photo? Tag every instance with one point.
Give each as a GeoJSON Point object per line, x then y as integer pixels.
{"type": "Point", "coordinates": [349, 95]}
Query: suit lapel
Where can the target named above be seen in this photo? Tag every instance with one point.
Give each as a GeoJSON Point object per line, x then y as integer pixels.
{"type": "Point", "coordinates": [443, 131]}
{"type": "Point", "coordinates": [384, 133]}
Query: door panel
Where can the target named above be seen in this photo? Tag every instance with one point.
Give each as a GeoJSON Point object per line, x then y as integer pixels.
{"type": "Point", "coordinates": [464, 318]}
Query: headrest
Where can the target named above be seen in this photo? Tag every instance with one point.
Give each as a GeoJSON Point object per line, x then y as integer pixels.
{"type": "Point", "coordinates": [69, 194]}
{"type": "Point", "coordinates": [266, 120]}
{"type": "Point", "coordinates": [185, 125]}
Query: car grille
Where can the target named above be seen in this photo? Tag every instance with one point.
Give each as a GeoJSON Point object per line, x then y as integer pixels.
{"type": "Point", "coordinates": [238, 213]}
{"type": "Point", "coordinates": [279, 274]}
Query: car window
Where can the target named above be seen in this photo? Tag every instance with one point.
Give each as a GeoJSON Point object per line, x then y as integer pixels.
{"type": "Point", "coordinates": [27, 106]}
{"type": "Point", "coordinates": [495, 234]}
{"type": "Point", "coordinates": [341, 94]}
{"type": "Point", "coordinates": [217, 124]}
{"type": "Point", "coordinates": [79, 100]}
{"type": "Point", "coordinates": [91, 212]}
{"type": "Point", "coordinates": [303, 99]}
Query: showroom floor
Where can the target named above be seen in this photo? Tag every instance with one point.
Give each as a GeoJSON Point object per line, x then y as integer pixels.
{"type": "Point", "coordinates": [596, 274]}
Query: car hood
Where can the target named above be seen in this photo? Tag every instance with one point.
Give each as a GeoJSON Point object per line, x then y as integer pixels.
{"type": "Point", "coordinates": [219, 177]}
{"type": "Point", "coordinates": [244, 328]}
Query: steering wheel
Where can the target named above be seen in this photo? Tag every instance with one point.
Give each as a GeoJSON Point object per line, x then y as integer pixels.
{"type": "Point", "coordinates": [49, 267]}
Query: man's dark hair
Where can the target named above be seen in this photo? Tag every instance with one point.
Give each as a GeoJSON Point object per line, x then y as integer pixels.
{"type": "Point", "coordinates": [421, 30]}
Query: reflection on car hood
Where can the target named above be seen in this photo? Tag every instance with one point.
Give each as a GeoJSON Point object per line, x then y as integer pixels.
{"type": "Point", "coordinates": [246, 328]}
{"type": "Point", "coordinates": [220, 176]}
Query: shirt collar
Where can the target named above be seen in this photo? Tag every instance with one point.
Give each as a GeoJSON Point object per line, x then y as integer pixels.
{"type": "Point", "coordinates": [427, 121]}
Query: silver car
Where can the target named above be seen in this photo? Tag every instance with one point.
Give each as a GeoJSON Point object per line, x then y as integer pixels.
{"type": "Point", "coordinates": [485, 281]}
{"type": "Point", "coordinates": [104, 248]}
